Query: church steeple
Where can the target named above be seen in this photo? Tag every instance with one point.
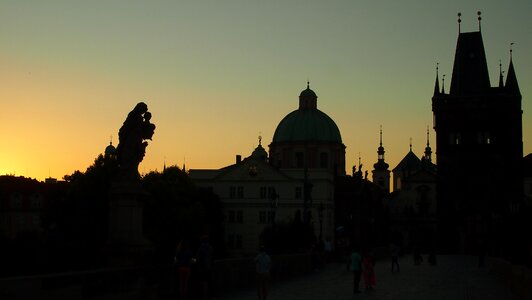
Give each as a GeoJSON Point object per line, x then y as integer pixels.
{"type": "Point", "coordinates": [428, 151]}
{"type": "Point", "coordinates": [381, 174]}
{"type": "Point", "coordinates": [511, 80]}
{"type": "Point", "coordinates": [380, 165]}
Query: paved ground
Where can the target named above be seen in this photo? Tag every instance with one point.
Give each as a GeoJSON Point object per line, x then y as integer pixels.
{"type": "Point", "coordinates": [454, 277]}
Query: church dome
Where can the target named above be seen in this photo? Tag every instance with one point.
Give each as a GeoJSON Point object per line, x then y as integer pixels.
{"type": "Point", "coordinates": [110, 149]}
{"type": "Point", "coordinates": [308, 123]}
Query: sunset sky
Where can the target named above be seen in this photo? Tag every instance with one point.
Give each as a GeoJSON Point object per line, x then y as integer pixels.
{"type": "Point", "coordinates": [216, 74]}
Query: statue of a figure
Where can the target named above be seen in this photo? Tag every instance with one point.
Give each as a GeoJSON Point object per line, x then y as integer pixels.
{"type": "Point", "coordinates": [132, 139]}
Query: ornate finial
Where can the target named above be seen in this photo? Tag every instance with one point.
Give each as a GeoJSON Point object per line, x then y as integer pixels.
{"type": "Point", "coordinates": [479, 19]}
{"type": "Point", "coordinates": [260, 139]}
{"type": "Point", "coordinates": [359, 163]}
{"type": "Point", "coordinates": [459, 21]}
{"type": "Point", "coordinates": [410, 144]}
{"type": "Point", "coordinates": [437, 68]}
{"type": "Point", "coordinates": [381, 136]}
{"type": "Point", "coordinates": [511, 50]}
{"type": "Point", "coordinates": [443, 84]}
{"type": "Point", "coordinates": [308, 84]}
{"type": "Point", "coordinates": [111, 140]}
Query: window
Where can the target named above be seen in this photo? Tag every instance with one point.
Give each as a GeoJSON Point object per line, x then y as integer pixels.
{"type": "Point", "coordinates": [455, 138]}
{"type": "Point", "coordinates": [262, 217]}
{"type": "Point", "coordinates": [299, 192]}
{"type": "Point", "coordinates": [239, 217]}
{"type": "Point", "coordinates": [324, 160]}
{"type": "Point", "coordinates": [231, 218]}
{"type": "Point", "coordinates": [232, 192]}
{"type": "Point", "coordinates": [483, 137]}
{"type": "Point", "coordinates": [299, 159]}
{"type": "Point", "coordinates": [240, 192]}
{"type": "Point", "coordinates": [263, 192]}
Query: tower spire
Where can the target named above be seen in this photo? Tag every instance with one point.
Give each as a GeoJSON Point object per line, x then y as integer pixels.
{"type": "Point", "coordinates": [427, 157]}
{"type": "Point", "coordinates": [437, 83]}
{"type": "Point", "coordinates": [459, 21]}
{"type": "Point", "coordinates": [380, 138]}
{"type": "Point", "coordinates": [479, 19]}
{"type": "Point", "coordinates": [501, 79]}
{"type": "Point", "coordinates": [511, 79]}
{"type": "Point", "coordinates": [443, 84]}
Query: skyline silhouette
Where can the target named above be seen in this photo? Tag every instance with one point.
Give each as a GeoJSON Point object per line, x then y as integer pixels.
{"type": "Point", "coordinates": [213, 73]}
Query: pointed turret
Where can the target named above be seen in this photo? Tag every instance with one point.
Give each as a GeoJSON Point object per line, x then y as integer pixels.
{"type": "Point", "coordinates": [437, 84]}
{"type": "Point", "coordinates": [501, 79]}
{"type": "Point", "coordinates": [511, 80]}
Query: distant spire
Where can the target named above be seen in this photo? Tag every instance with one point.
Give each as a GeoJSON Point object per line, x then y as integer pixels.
{"type": "Point", "coordinates": [443, 84]}
{"type": "Point", "coordinates": [479, 19]}
{"type": "Point", "coordinates": [428, 150]}
{"type": "Point", "coordinates": [511, 79]}
{"type": "Point", "coordinates": [164, 164]}
{"type": "Point", "coordinates": [308, 84]}
{"type": "Point", "coordinates": [380, 150]}
{"type": "Point", "coordinates": [184, 166]}
{"type": "Point", "coordinates": [380, 143]}
{"type": "Point", "coordinates": [459, 21]}
{"type": "Point", "coordinates": [410, 144]}
{"type": "Point", "coordinates": [260, 139]}
{"type": "Point", "coordinates": [501, 79]}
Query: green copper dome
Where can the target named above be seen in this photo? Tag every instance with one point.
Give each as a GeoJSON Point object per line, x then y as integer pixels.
{"type": "Point", "coordinates": [307, 125]}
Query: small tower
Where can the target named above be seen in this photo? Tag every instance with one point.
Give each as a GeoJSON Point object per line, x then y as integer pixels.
{"type": "Point", "coordinates": [427, 155]}
{"type": "Point", "coordinates": [381, 174]}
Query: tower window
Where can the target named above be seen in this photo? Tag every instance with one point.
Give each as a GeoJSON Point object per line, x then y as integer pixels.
{"type": "Point", "coordinates": [483, 138]}
{"type": "Point", "coordinates": [455, 138]}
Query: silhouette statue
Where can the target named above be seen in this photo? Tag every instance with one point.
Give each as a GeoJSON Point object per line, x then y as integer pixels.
{"type": "Point", "coordinates": [132, 140]}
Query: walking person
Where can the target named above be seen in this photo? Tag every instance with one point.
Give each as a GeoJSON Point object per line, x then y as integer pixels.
{"type": "Point", "coordinates": [263, 264]}
{"type": "Point", "coordinates": [183, 261]}
{"type": "Point", "coordinates": [368, 271]}
{"type": "Point", "coordinates": [204, 264]}
{"type": "Point", "coordinates": [394, 250]}
{"type": "Point", "coordinates": [356, 267]}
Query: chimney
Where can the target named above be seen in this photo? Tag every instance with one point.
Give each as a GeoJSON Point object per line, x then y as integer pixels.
{"type": "Point", "coordinates": [238, 158]}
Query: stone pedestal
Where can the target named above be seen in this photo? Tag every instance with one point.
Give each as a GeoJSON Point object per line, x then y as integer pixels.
{"type": "Point", "coordinates": [126, 242]}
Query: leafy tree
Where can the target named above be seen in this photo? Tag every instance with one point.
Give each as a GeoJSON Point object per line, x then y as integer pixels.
{"type": "Point", "coordinates": [177, 210]}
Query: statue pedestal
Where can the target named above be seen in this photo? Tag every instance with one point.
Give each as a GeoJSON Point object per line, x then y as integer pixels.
{"type": "Point", "coordinates": [126, 242]}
